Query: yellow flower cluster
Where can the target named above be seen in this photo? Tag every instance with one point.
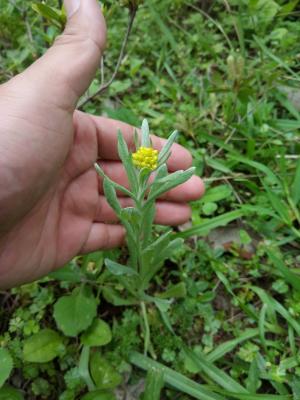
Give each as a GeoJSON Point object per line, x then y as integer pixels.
{"type": "Point", "coordinates": [145, 157]}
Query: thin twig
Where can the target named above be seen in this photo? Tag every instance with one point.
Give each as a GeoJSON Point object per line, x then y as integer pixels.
{"type": "Point", "coordinates": [132, 14]}
{"type": "Point", "coordinates": [102, 71]}
{"type": "Point", "coordinates": [28, 29]}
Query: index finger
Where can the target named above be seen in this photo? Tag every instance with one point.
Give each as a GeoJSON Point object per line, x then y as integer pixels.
{"type": "Point", "coordinates": [107, 132]}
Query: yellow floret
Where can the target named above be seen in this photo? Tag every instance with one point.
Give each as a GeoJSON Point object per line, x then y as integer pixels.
{"type": "Point", "coordinates": [145, 157]}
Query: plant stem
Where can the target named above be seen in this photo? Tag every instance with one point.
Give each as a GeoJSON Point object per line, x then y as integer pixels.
{"type": "Point", "coordinates": [146, 326]}
{"type": "Point", "coordinates": [103, 87]}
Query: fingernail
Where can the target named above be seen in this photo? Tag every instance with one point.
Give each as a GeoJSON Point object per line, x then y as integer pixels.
{"type": "Point", "coordinates": [72, 6]}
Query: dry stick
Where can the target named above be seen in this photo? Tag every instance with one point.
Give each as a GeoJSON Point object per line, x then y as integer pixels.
{"type": "Point", "coordinates": [132, 14]}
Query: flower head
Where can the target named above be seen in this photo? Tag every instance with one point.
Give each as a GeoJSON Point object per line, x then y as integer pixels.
{"type": "Point", "coordinates": [145, 157]}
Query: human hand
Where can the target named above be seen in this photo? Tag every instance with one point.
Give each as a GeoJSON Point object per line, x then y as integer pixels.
{"type": "Point", "coordinates": [51, 200]}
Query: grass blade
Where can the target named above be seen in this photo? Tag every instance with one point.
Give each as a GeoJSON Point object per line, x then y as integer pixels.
{"type": "Point", "coordinates": [214, 373]}
{"type": "Point", "coordinates": [154, 384]}
{"type": "Point", "coordinates": [228, 346]}
{"type": "Point", "coordinates": [296, 185]}
{"type": "Point", "coordinates": [205, 227]}
{"type": "Point", "coordinates": [289, 276]}
{"type": "Point", "coordinates": [175, 379]}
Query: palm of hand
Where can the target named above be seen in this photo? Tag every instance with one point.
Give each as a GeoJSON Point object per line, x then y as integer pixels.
{"type": "Point", "coordinates": [51, 201]}
{"type": "Point", "coordinates": [55, 222]}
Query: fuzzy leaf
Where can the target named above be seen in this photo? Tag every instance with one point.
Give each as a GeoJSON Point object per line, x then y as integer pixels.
{"type": "Point", "coordinates": [111, 196]}
{"type": "Point", "coordinates": [127, 163]}
{"type": "Point", "coordinates": [114, 297]}
{"type": "Point", "coordinates": [116, 185]}
{"type": "Point", "coordinates": [119, 269]}
{"type": "Point", "coordinates": [169, 182]}
{"type": "Point", "coordinates": [145, 134]}
{"type": "Point", "coordinates": [165, 151]}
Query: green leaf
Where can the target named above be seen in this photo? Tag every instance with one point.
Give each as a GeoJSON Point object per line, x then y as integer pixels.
{"type": "Point", "coordinates": [50, 13]}
{"type": "Point", "coordinates": [131, 215]}
{"type": "Point", "coordinates": [75, 313]}
{"type": "Point", "coordinates": [218, 165]}
{"type": "Point", "coordinates": [145, 142]}
{"type": "Point", "coordinates": [206, 226]}
{"type": "Point", "coordinates": [154, 384]}
{"type": "Point", "coordinates": [253, 381]}
{"type": "Point", "coordinates": [98, 334]}
{"type": "Point", "coordinates": [175, 379]}
{"type": "Point", "coordinates": [273, 57]}
{"type": "Point", "coordinates": [9, 393]}
{"type": "Point", "coordinates": [174, 291]}
{"type": "Point", "coordinates": [295, 384]}
{"type": "Point", "coordinates": [116, 185]}
{"type": "Point", "coordinates": [113, 297]}
{"type": "Point", "coordinates": [94, 260]}
{"type": "Point", "coordinates": [159, 244]}
{"type": "Point", "coordinates": [169, 182]}
{"type": "Point", "coordinates": [228, 346]}
{"type": "Point", "coordinates": [295, 190]}
{"type": "Point", "coordinates": [127, 162]}
{"type": "Point", "coordinates": [209, 208]}
{"type": "Point", "coordinates": [252, 396]}
{"type": "Point", "coordinates": [289, 276]}
{"type": "Point", "coordinates": [103, 374]}
{"type": "Point", "coordinates": [259, 167]}
{"type": "Point", "coordinates": [276, 306]}
{"type": "Point", "coordinates": [214, 373]}
{"type": "Point", "coordinates": [148, 216]}
{"type": "Point", "coordinates": [166, 150]}
{"type": "Point", "coordinates": [279, 206]}
{"type": "Point", "coordinates": [161, 172]}
{"type": "Point", "coordinates": [158, 258]}
{"type": "Point", "coordinates": [163, 307]}
{"type": "Point", "coordinates": [99, 395]}
{"type": "Point", "coordinates": [111, 196]}
{"type": "Point", "coordinates": [43, 347]}
{"type": "Point", "coordinates": [69, 273]}
{"type": "Point", "coordinates": [6, 365]}
{"type": "Point", "coordinates": [217, 193]}
{"type": "Point", "coordinates": [119, 269]}
{"type": "Point", "coordinates": [289, 7]}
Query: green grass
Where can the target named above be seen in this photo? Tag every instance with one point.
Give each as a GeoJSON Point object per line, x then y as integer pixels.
{"type": "Point", "coordinates": [226, 75]}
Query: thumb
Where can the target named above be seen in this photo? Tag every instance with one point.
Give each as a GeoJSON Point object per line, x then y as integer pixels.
{"type": "Point", "coordinates": [68, 67]}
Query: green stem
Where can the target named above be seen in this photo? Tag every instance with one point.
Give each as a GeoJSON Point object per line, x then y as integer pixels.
{"type": "Point", "coordinates": [147, 328]}
{"type": "Point", "coordinates": [84, 368]}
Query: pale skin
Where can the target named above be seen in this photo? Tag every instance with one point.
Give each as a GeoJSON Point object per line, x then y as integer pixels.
{"type": "Point", "coordinates": [52, 206]}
